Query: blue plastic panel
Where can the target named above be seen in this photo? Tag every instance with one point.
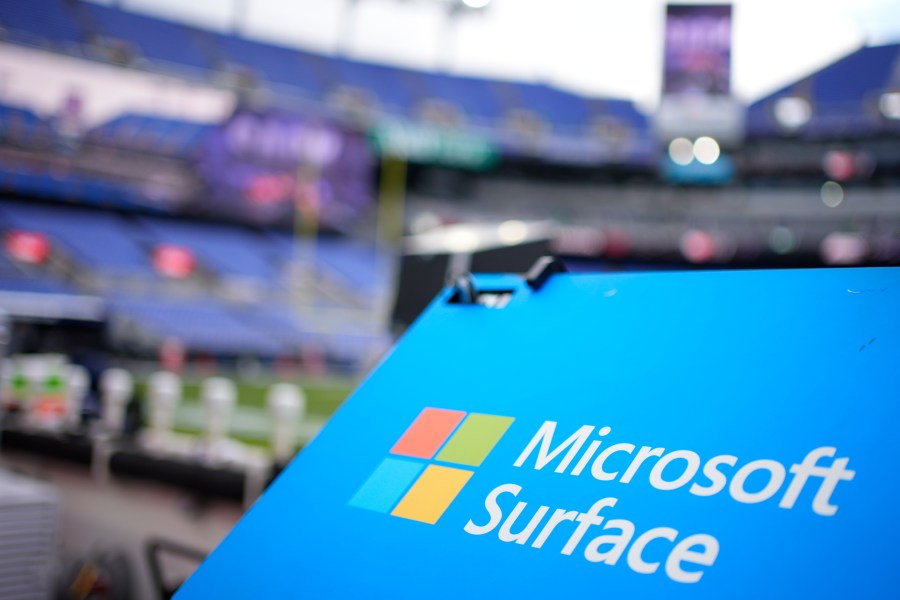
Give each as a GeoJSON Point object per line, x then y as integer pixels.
{"type": "Point", "coordinates": [746, 423]}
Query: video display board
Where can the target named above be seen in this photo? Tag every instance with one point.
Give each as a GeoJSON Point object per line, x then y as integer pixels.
{"type": "Point", "coordinates": [264, 166]}
{"type": "Point", "coordinates": [697, 50]}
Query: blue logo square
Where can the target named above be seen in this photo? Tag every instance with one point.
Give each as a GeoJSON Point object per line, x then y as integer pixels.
{"type": "Point", "coordinates": [383, 489]}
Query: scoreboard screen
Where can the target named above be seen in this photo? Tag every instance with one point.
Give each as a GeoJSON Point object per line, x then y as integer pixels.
{"type": "Point", "coordinates": [268, 167]}
{"type": "Point", "coordinates": [697, 50]}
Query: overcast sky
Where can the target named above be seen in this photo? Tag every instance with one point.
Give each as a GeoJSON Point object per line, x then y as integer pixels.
{"type": "Point", "coordinates": [597, 47]}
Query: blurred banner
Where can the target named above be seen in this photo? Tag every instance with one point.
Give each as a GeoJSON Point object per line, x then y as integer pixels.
{"type": "Point", "coordinates": [434, 145]}
{"type": "Point", "coordinates": [698, 50]}
{"type": "Point", "coordinates": [261, 166]}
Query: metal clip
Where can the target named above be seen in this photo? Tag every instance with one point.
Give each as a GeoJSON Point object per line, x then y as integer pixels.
{"type": "Point", "coordinates": [541, 271]}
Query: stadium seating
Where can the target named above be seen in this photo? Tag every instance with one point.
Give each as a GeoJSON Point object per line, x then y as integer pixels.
{"type": "Point", "coordinates": [43, 183]}
{"type": "Point", "coordinates": [155, 39]}
{"type": "Point", "coordinates": [108, 244]}
{"type": "Point", "coordinates": [33, 285]}
{"type": "Point", "coordinates": [393, 91]}
{"type": "Point", "coordinates": [473, 96]}
{"type": "Point", "coordinates": [151, 134]}
{"type": "Point", "coordinates": [22, 126]}
{"type": "Point", "coordinates": [852, 77]}
{"type": "Point", "coordinates": [113, 245]}
{"type": "Point", "coordinates": [225, 250]}
{"type": "Point", "coordinates": [347, 347]}
{"type": "Point", "coordinates": [846, 92]}
{"type": "Point", "coordinates": [16, 279]}
{"type": "Point", "coordinates": [201, 324]}
{"type": "Point", "coordinates": [622, 111]}
{"type": "Point", "coordinates": [274, 64]}
{"type": "Point", "coordinates": [208, 324]}
{"type": "Point", "coordinates": [100, 240]}
{"type": "Point", "coordinates": [561, 110]}
{"type": "Point", "coordinates": [352, 264]}
{"type": "Point", "coordinates": [843, 98]}
{"type": "Point", "coordinates": [356, 263]}
{"type": "Point", "coordinates": [46, 20]}
{"type": "Point", "coordinates": [384, 84]}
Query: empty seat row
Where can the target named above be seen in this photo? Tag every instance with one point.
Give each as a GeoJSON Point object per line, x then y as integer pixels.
{"type": "Point", "coordinates": [155, 39]}
{"type": "Point", "coordinates": [199, 324]}
{"type": "Point", "coordinates": [148, 133]}
{"type": "Point", "coordinates": [116, 244]}
{"type": "Point", "coordinates": [49, 19]}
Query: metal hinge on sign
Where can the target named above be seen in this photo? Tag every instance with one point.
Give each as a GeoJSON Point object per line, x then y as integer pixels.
{"type": "Point", "coordinates": [465, 292]}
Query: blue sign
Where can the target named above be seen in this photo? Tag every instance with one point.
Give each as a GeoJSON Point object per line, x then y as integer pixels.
{"type": "Point", "coordinates": [703, 435]}
{"type": "Point", "coordinates": [696, 173]}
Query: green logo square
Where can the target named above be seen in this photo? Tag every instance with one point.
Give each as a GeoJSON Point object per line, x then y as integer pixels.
{"type": "Point", "coordinates": [474, 439]}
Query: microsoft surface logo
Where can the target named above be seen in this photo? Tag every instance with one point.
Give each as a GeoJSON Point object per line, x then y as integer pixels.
{"type": "Point", "coordinates": [422, 491]}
